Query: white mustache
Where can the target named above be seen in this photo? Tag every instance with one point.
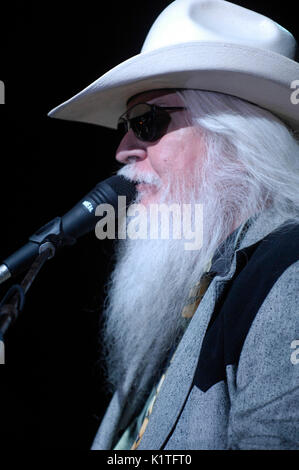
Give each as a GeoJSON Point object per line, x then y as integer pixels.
{"type": "Point", "coordinates": [131, 173]}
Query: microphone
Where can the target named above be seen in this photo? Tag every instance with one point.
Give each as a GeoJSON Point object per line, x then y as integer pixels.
{"type": "Point", "coordinates": [65, 230]}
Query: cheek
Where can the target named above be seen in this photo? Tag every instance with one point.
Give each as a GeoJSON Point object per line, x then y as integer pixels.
{"type": "Point", "coordinates": [178, 152]}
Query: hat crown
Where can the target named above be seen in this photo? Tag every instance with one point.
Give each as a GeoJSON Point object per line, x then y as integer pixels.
{"type": "Point", "coordinates": [217, 20]}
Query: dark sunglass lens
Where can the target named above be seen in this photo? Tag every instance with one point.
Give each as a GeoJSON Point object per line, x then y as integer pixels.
{"type": "Point", "coordinates": [152, 125]}
{"type": "Point", "coordinates": [143, 126]}
{"type": "Point", "coordinates": [149, 123]}
{"type": "Point", "coordinates": [138, 110]}
{"type": "Point", "coordinates": [160, 124]}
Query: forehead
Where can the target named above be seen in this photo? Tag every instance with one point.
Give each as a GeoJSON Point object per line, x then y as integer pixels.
{"type": "Point", "coordinates": [158, 96]}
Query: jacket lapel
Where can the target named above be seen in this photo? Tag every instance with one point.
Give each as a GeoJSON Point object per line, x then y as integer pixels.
{"type": "Point", "coordinates": [105, 435]}
{"type": "Point", "coordinates": [171, 397]}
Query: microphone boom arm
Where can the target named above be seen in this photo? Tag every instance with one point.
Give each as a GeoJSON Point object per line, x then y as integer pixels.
{"type": "Point", "coordinates": [51, 235]}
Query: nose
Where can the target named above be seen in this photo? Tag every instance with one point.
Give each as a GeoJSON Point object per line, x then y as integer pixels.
{"type": "Point", "coordinates": [130, 149]}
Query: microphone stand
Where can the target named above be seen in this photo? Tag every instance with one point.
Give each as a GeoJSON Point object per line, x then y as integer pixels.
{"type": "Point", "coordinates": [44, 244]}
{"type": "Point", "coordinates": [13, 301]}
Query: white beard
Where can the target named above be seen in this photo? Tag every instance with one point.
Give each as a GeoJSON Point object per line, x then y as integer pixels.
{"type": "Point", "coordinates": [148, 290]}
{"type": "Point", "coordinates": [150, 285]}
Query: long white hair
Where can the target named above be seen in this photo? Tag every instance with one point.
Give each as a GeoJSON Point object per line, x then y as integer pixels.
{"type": "Point", "coordinates": [241, 134]}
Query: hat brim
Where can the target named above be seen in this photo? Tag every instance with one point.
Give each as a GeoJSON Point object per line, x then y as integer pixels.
{"type": "Point", "coordinates": [256, 75]}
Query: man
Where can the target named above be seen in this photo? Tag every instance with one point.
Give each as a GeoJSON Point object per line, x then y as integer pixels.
{"type": "Point", "coordinates": [201, 344]}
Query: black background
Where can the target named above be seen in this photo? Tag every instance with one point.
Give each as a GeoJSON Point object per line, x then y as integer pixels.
{"type": "Point", "coordinates": [51, 390]}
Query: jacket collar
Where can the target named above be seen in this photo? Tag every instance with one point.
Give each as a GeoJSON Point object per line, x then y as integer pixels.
{"type": "Point", "coordinates": [260, 225]}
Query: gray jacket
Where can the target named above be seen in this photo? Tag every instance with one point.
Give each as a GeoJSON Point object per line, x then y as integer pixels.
{"type": "Point", "coordinates": [255, 405]}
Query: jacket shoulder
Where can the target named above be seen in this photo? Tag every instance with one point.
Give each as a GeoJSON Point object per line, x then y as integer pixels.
{"type": "Point", "coordinates": [259, 267]}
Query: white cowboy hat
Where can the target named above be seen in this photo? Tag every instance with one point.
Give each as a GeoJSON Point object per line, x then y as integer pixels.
{"type": "Point", "coordinates": [199, 44]}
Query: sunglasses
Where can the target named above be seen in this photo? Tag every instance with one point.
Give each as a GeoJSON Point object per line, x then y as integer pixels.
{"type": "Point", "coordinates": [149, 122]}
